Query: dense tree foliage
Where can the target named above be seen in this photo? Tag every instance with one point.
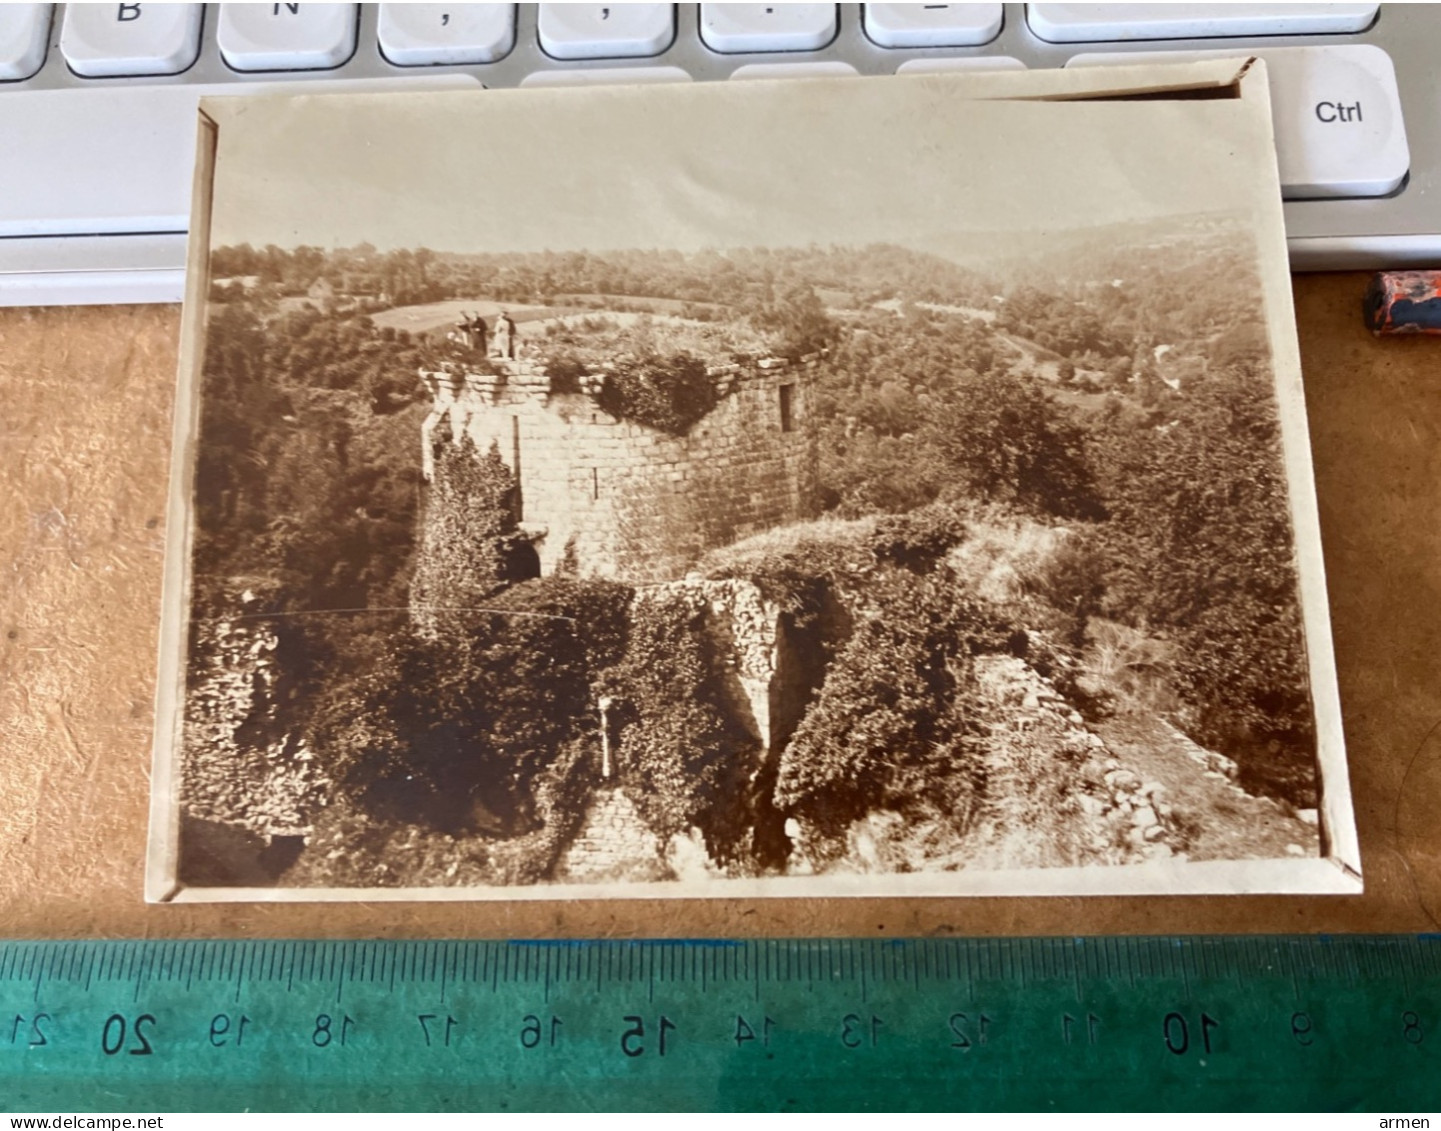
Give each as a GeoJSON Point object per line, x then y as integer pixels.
{"type": "Point", "coordinates": [470, 546]}
{"type": "Point", "coordinates": [1200, 547]}
{"type": "Point", "coordinates": [676, 735]}
{"type": "Point", "coordinates": [455, 730]}
{"type": "Point", "coordinates": [1008, 441]}
{"type": "Point", "coordinates": [396, 277]}
{"type": "Point", "coordinates": [889, 723]}
{"type": "Point", "coordinates": [305, 458]}
{"type": "Point", "coordinates": [773, 285]}
{"type": "Point", "coordinates": [668, 393]}
{"type": "Point", "coordinates": [796, 317]}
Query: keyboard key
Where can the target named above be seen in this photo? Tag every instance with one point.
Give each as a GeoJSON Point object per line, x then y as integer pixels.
{"type": "Point", "coordinates": [24, 30]}
{"type": "Point", "coordinates": [973, 63]}
{"type": "Point", "coordinates": [819, 69]}
{"type": "Point", "coordinates": [1339, 129]}
{"type": "Point", "coordinates": [423, 35]}
{"type": "Point", "coordinates": [286, 37]}
{"type": "Point", "coordinates": [601, 76]}
{"type": "Point", "coordinates": [1096, 23]}
{"type": "Point", "coordinates": [133, 172]}
{"type": "Point", "coordinates": [932, 25]}
{"type": "Point", "coordinates": [79, 270]}
{"type": "Point", "coordinates": [605, 31]}
{"type": "Point", "coordinates": [107, 40]}
{"type": "Point", "coordinates": [735, 29]}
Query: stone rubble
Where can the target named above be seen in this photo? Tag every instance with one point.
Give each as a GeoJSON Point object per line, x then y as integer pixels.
{"type": "Point", "coordinates": [1116, 816]}
{"type": "Point", "coordinates": [1217, 766]}
{"type": "Point", "coordinates": [1126, 820]}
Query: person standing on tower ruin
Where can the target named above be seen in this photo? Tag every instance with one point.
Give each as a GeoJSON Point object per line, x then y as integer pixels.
{"type": "Point", "coordinates": [476, 326]}
{"type": "Point", "coordinates": [497, 344]}
{"type": "Point", "coordinates": [504, 337]}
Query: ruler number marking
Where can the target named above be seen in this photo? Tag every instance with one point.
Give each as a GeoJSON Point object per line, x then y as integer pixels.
{"type": "Point", "coordinates": [112, 1035]}
{"type": "Point", "coordinates": [1411, 1027]}
{"type": "Point", "coordinates": [220, 1030]}
{"type": "Point", "coordinates": [324, 1034]}
{"type": "Point", "coordinates": [35, 1035]}
{"type": "Point", "coordinates": [630, 1040]}
{"type": "Point", "coordinates": [1093, 1024]}
{"type": "Point", "coordinates": [963, 1040]}
{"type": "Point", "coordinates": [426, 1018]}
{"type": "Point", "coordinates": [1177, 1034]}
{"type": "Point", "coordinates": [1303, 1029]}
{"type": "Point", "coordinates": [853, 1030]}
{"type": "Point", "coordinates": [532, 1031]}
{"type": "Point", "coordinates": [744, 1032]}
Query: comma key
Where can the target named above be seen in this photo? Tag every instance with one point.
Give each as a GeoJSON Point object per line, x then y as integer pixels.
{"type": "Point", "coordinates": [1336, 110]}
{"type": "Point", "coordinates": [605, 31]}
{"type": "Point", "coordinates": [423, 35]}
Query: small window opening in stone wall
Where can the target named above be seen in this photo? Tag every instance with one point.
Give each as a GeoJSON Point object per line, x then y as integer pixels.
{"type": "Point", "coordinates": [595, 482]}
{"type": "Point", "coordinates": [788, 423]}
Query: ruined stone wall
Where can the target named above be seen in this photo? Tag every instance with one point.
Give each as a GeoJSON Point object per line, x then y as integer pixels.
{"type": "Point", "coordinates": [241, 768]}
{"type": "Point", "coordinates": [745, 631]}
{"type": "Point", "coordinates": [632, 502]}
{"type": "Point", "coordinates": [614, 843]}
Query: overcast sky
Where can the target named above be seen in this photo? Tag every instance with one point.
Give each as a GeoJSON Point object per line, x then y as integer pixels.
{"type": "Point", "coordinates": [901, 160]}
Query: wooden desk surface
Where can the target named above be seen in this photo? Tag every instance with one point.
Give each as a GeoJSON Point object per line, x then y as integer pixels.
{"type": "Point", "coordinates": [85, 400]}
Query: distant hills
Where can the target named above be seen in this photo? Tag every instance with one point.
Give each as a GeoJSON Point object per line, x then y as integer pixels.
{"type": "Point", "coordinates": [1002, 254]}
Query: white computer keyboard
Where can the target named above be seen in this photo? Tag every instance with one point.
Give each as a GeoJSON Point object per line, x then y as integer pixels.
{"type": "Point", "coordinates": [97, 101]}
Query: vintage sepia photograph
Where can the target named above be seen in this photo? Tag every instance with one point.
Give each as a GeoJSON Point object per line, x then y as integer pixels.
{"type": "Point", "coordinates": [595, 517]}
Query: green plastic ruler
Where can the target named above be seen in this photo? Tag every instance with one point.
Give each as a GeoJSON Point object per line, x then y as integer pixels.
{"type": "Point", "coordinates": [1337, 1023]}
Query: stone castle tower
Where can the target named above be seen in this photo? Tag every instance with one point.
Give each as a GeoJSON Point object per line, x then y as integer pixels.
{"type": "Point", "coordinates": [624, 500]}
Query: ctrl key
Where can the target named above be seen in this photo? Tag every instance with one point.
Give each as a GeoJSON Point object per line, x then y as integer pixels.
{"type": "Point", "coordinates": [1338, 121]}
{"type": "Point", "coordinates": [1336, 111]}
